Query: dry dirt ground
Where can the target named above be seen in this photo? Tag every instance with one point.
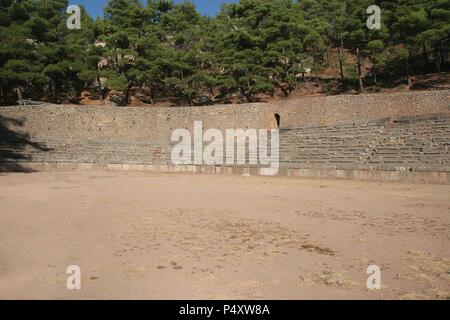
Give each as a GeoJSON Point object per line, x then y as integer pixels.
{"type": "Point", "coordinates": [145, 236]}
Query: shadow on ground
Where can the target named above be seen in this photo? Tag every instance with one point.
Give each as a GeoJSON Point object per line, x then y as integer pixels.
{"type": "Point", "coordinates": [13, 145]}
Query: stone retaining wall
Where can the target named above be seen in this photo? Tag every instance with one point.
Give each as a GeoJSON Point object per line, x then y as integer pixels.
{"type": "Point", "coordinates": [400, 137]}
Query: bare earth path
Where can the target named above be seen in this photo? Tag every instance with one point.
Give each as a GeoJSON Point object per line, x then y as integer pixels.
{"type": "Point", "coordinates": [143, 236]}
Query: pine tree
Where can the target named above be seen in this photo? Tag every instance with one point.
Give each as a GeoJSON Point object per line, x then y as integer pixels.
{"type": "Point", "coordinates": [161, 49]}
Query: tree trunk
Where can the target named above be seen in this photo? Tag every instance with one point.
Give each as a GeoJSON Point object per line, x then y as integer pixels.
{"type": "Point", "coordinates": [127, 93]}
{"type": "Point", "coordinates": [361, 84]}
{"type": "Point", "coordinates": [437, 59]}
{"type": "Point", "coordinates": [328, 55]}
{"type": "Point", "coordinates": [408, 75]}
{"type": "Point", "coordinates": [411, 62]}
{"type": "Point", "coordinates": [152, 96]}
{"type": "Point", "coordinates": [100, 89]}
{"type": "Point", "coordinates": [341, 67]}
{"type": "Point", "coordinates": [99, 82]}
{"type": "Point", "coordinates": [53, 84]}
{"type": "Point", "coordinates": [19, 93]}
{"type": "Point", "coordinates": [316, 71]}
{"type": "Point", "coordinates": [441, 51]}
{"type": "Point", "coordinates": [425, 55]}
{"type": "Point", "coordinates": [116, 57]}
{"type": "Point", "coordinates": [303, 70]}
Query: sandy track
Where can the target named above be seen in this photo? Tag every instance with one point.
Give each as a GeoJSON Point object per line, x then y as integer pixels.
{"type": "Point", "coordinates": [144, 236]}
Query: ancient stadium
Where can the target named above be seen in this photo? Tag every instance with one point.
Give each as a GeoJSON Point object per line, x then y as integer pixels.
{"type": "Point", "coordinates": [362, 181]}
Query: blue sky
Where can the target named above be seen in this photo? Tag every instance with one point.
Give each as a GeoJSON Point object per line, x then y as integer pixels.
{"type": "Point", "coordinates": [207, 7]}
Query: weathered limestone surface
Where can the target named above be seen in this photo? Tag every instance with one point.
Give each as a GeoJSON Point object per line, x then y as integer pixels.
{"type": "Point", "coordinates": [418, 143]}
{"type": "Point", "coordinates": [350, 136]}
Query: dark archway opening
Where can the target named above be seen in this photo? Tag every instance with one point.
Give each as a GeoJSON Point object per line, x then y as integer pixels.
{"type": "Point", "coordinates": [278, 120]}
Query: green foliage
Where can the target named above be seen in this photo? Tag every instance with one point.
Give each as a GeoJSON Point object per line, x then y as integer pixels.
{"type": "Point", "coordinates": [164, 49]}
{"type": "Point", "coordinates": [39, 56]}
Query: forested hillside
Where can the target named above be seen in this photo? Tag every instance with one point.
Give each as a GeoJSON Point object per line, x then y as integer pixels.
{"type": "Point", "coordinates": [161, 51]}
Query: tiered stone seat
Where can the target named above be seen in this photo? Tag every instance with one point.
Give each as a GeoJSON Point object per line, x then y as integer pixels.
{"type": "Point", "coordinates": [90, 151]}
{"type": "Point", "coordinates": [339, 146]}
{"type": "Point", "coordinates": [407, 144]}
{"type": "Point", "coordinates": [415, 143]}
